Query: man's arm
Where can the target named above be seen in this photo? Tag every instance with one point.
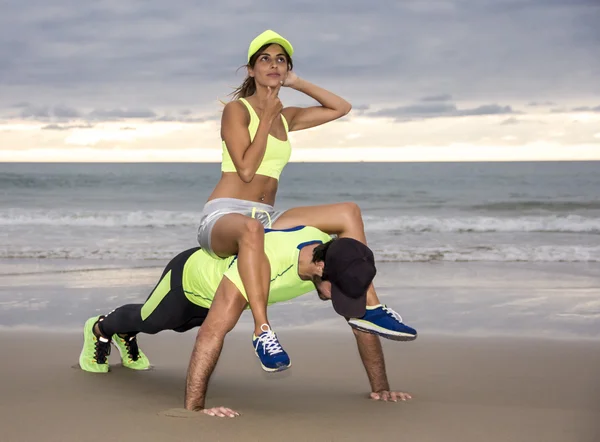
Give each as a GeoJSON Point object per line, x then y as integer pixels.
{"type": "Point", "coordinates": [202, 363]}
{"type": "Point", "coordinates": [224, 313]}
{"type": "Point", "coordinates": [371, 354]}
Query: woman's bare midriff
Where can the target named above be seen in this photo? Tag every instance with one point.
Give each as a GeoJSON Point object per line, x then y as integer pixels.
{"type": "Point", "coordinates": [261, 189]}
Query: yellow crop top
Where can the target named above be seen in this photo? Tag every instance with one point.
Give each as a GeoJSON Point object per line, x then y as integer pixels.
{"type": "Point", "coordinates": [277, 153]}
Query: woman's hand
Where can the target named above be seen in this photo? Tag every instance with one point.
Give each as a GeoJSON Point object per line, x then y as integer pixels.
{"type": "Point", "coordinates": [290, 79]}
{"type": "Point", "coordinates": [271, 105]}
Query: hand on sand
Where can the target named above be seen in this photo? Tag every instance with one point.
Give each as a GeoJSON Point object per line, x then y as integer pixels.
{"type": "Point", "coordinates": [390, 396]}
{"type": "Point", "coordinates": [220, 412]}
{"type": "Point", "coordinates": [189, 414]}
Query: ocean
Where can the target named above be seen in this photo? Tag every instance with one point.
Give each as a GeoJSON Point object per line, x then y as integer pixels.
{"type": "Point", "coordinates": [457, 243]}
{"type": "Point", "coordinates": [509, 212]}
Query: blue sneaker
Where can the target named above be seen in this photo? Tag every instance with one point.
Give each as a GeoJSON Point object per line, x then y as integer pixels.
{"type": "Point", "coordinates": [268, 350]}
{"type": "Point", "coordinates": [385, 322]}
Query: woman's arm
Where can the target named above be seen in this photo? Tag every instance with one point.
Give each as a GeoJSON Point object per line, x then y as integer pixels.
{"type": "Point", "coordinates": [332, 106]}
{"type": "Point", "coordinates": [245, 154]}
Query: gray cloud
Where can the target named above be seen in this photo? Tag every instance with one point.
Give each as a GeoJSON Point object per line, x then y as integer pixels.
{"type": "Point", "coordinates": [442, 97]}
{"type": "Point", "coordinates": [55, 126]}
{"type": "Point", "coordinates": [186, 119]}
{"type": "Point", "coordinates": [120, 114]}
{"type": "Point", "coordinates": [535, 5]}
{"type": "Point", "coordinates": [541, 104]}
{"type": "Point", "coordinates": [58, 115]}
{"type": "Point", "coordinates": [417, 110]}
{"type": "Point", "coordinates": [47, 113]}
{"type": "Point", "coordinates": [164, 56]}
{"type": "Point", "coordinates": [586, 109]}
{"type": "Point", "coordinates": [488, 109]}
{"type": "Point", "coordinates": [562, 110]}
{"type": "Point", "coordinates": [510, 122]}
{"type": "Point", "coordinates": [360, 109]}
{"type": "Point", "coordinates": [33, 112]}
{"type": "Point", "coordinates": [65, 112]}
{"type": "Point", "coordinates": [431, 110]}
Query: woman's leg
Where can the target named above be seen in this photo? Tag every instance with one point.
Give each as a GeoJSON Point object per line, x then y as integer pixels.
{"type": "Point", "coordinates": [235, 233]}
{"type": "Point", "coordinates": [342, 219]}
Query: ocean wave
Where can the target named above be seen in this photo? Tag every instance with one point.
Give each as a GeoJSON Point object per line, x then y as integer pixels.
{"type": "Point", "coordinates": [483, 224]}
{"type": "Point", "coordinates": [505, 253]}
{"type": "Point", "coordinates": [94, 181]}
{"type": "Point", "coordinates": [553, 206]}
{"type": "Point", "coordinates": [392, 224]}
{"type": "Point", "coordinates": [155, 218]}
{"type": "Point", "coordinates": [383, 253]}
{"type": "Point", "coordinates": [80, 253]}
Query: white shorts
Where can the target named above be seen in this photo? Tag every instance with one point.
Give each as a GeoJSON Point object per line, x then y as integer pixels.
{"type": "Point", "coordinates": [215, 209]}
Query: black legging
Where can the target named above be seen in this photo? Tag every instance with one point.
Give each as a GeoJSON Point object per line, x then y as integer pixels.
{"type": "Point", "coordinates": [173, 312]}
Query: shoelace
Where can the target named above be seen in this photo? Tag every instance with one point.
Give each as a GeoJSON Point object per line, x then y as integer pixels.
{"type": "Point", "coordinates": [102, 350]}
{"type": "Point", "coordinates": [392, 313]}
{"type": "Point", "coordinates": [270, 343]}
{"type": "Point", "coordinates": [132, 348]}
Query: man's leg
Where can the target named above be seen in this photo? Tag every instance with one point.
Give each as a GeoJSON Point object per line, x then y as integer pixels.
{"type": "Point", "coordinates": [167, 308]}
{"type": "Point", "coordinates": [97, 343]}
{"type": "Point", "coordinates": [342, 219]}
{"type": "Point", "coordinates": [345, 220]}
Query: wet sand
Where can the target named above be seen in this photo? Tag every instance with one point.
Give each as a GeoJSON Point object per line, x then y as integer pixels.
{"type": "Point", "coordinates": [464, 389]}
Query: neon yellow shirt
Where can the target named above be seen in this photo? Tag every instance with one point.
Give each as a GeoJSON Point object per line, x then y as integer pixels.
{"type": "Point", "coordinates": [202, 273]}
{"type": "Point", "coordinates": [277, 153]}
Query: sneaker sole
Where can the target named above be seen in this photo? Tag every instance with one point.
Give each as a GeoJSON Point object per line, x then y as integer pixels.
{"type": "Point", "coordinates": [112, 341]}
{"type": "Point", "coordinates": [396, 336]}
{"type": "Point", "coordinates": [81, 357]}
{"type": "Point", "coordinates": [272, 370]}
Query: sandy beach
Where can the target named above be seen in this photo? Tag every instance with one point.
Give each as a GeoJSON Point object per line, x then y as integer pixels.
{"type": "Point", "coordinates": [465, 389]}
{"type": "Point", "coordinates": [506, 352]}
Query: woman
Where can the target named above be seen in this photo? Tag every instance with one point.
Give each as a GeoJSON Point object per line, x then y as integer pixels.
{"type": "Point", "coordinates": [256, 148]}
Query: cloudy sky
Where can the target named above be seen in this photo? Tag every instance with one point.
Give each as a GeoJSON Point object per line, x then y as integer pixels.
{"type": "Point", "coordinates": [459, 80]}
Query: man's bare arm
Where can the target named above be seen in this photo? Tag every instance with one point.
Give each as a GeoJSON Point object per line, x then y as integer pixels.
{"type": "Point", "coordinates": [203, 361]}
{"type": "Point", "coordinates": [224, 313]}
{"type": "Point", "coordinates": [371, 354]}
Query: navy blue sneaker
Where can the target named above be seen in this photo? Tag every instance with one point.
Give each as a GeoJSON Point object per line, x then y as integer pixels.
{"type": "Point", "coordinates": [266, 346]}
{"type": "Point", "coordinates": [385, 322]}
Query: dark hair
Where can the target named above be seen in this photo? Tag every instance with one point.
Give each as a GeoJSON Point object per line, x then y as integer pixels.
{"type": "Point", "coordinates": [248, 87]}
{"type": "Point", "coordinates": [320, 252]}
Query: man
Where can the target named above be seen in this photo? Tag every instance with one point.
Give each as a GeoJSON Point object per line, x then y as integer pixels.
{"type": "Point", "coordinates": [198, 290]}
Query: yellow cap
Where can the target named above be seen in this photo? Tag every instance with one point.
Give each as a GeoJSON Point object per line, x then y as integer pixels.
{"type": "Point", "coordinates": [269, 36]}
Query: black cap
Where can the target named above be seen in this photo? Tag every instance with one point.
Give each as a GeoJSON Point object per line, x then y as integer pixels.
{"type": "Point", "coordinates": [350, 267]}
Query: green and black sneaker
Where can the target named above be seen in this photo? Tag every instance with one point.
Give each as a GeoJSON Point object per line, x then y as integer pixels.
{"type": "Point", "coordinates": [131, 355]}
{"type": "Point", "coordinates": [96, 349]}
